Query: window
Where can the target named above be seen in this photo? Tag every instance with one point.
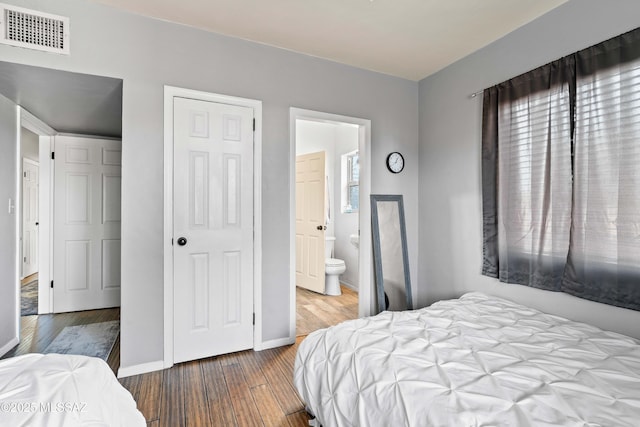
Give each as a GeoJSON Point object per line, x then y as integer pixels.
{"type": "Point", "coordinates": [350, 182]}
{"type": "Point", "coordinates": [561, 187]}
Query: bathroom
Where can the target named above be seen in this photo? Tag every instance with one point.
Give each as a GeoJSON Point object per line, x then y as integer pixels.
{"type": "Point", "coordinates": [339, 142]}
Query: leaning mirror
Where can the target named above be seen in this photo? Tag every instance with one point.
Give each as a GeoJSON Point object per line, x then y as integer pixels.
{"type": "Point", "coordinates": [390, 258]}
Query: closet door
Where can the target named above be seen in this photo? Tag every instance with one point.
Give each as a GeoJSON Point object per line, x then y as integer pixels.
{"type": "Point", "coordinates": [86, 234]}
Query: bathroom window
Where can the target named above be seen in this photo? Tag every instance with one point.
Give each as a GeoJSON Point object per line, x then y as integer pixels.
{"type": "Point", "coordinates": [350, 182]}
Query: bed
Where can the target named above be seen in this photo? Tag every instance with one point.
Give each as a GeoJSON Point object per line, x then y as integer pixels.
{"type": "Point", "coordinates": [472, 361]}
{"type": "Point", "coordinates": [63, 390]}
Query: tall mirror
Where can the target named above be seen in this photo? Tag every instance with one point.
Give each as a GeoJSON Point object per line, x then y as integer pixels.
{"type": "Point", "coordinates": [391, 260]}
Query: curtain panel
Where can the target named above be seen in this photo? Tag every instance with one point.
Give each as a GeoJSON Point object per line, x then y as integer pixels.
{"type": "Point", "coordinates": [560, 180]}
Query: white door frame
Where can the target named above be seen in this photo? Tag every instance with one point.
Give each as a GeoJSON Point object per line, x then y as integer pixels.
{"type": "Point", "coordinates": [37, 164]}
{"type": "Point", "coordinates": [169, 93]}
{"type": "Point", "coordinates": [365, 287]}
{"type": "Point", "coordinates": [45, 207]}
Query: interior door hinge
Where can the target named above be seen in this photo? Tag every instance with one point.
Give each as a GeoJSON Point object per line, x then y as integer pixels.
{"type": "Point", "coordinates": [52, 284]}
{"type": "Point", "coordinates": [254, 318]}
{"type": "Point", "coordinates": [24, 174]}
{"type": "Point", "coordinates": [254, 125]}
{"type": "Point", "coordinates": [53, 155]}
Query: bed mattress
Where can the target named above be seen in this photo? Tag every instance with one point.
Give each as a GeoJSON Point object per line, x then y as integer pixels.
{"type": "Point", "coordinates": [63, 390]}
{"type": "Point", "coordinates": [474, 361]}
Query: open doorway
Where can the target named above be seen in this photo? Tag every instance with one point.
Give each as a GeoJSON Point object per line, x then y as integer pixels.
{"type": "Point", "coordinates": [330, 278]}
{"type": "Point", "coordinates": [78, 111]}
{"type": "Point", "coordinates": [29, 239]}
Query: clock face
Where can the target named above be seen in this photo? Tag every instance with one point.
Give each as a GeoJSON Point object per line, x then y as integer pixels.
{"type": "Point", "coordinates": [395, 162]}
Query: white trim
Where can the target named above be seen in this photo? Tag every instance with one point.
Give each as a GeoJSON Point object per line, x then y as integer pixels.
{"type": "Point", "coordinates": [142, 368]}
{"type": "Point", "coordinates": [28, 160]}
{"type": "Point", "coordinates": [169, 93]}
{"type": "Point", "coordinates": [85, 136]}
{"type": "Point", "coordinates": [350, 286]}
{"type": "Point", "coordinates": [365, 288]}
{"type": "Point", "coordinates": [45, 229]}
{"type": "Point", "coordinates": [35, 125]}
{"type": "Point", "coordinates": [280, 342]}
{"type": "Point", "coordinates": [17, 211]}
{"type": "Point", "coordinates": [21, 243]}
{"type": "Point", "coordinates": [8, 346]}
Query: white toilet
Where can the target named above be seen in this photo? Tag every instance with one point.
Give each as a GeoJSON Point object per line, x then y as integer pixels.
{"type": "Point", "coordinates": [333, 268]}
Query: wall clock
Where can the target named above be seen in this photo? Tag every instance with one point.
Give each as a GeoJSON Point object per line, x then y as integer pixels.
{"type": "Point", "coordinates": [395, 162]}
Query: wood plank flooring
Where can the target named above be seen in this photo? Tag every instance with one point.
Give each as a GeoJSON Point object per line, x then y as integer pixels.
{"type": "Point", "coordinates": [316, 311]}
{"type": "Point", "coordinates": [37, 331]}
{"type": "Point", "coordinates": [247, 388]}
{"type": "Point", "coordinates": [240, 389]}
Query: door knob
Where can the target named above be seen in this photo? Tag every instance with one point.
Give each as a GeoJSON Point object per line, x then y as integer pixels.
{"type": "Point", "coordinates": [182, 241]}
{"type": "Point", "coordinates": [321, 227]}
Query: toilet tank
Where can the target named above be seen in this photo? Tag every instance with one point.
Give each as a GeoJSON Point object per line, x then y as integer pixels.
{"type": "Point", "coordinates": [328, 246]}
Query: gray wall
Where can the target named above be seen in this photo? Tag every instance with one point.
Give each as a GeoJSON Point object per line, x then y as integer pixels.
{"type": "Point", "coordinates": [30, 145]}
{"type": "Point", "coordinates": [148, 54]}
{"type": "Point", "coordinates": [8, 173]}
{"type": "Point", "coordinates": [450, 187]}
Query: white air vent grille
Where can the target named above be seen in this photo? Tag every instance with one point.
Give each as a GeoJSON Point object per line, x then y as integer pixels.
{"type": "Point", "coordinates": [34, 30]}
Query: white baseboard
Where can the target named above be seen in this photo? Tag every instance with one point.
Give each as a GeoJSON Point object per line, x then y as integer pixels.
{"type": "Point", "coordinates": [276, 343]}
{"type": "Point", "coordinates": [8, 346]}
{"type": "Point", "coordinates": [350, 286]}
{"type": "Point", "coordinates": [142, 368]}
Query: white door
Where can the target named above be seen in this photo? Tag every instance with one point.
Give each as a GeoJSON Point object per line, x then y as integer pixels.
{"type": "Point", "coordinates": [310, 221]}
{"type": "Point", "coordinates": [213, 228]}
{"type": "Point", "coordinates": [30, 185]}
{"type": "Point", "coordinates": [86, 236]}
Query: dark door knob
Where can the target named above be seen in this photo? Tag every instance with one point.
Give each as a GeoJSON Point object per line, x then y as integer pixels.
{"type": "Point", "coordinates": [37, 223]}
{"type": "Point", "coordinates": [321, 227]}
{"type": "Point", "coordinates": [182, 241]}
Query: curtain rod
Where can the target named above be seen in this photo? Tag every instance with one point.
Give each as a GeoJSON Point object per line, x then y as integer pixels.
{"type": "Point", "coordinates": [474, 94]}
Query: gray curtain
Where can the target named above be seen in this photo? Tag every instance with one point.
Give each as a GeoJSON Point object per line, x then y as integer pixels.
{"type": "Point", "coordinates": [561, 191]}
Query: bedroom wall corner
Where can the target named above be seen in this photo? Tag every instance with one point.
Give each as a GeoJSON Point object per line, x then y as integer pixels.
{"type": "Point", "coordinates": [450, 157]}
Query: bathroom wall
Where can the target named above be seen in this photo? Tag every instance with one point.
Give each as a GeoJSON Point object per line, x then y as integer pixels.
{"type": "Point", "coordinates": [346, 224]}
{"type": "Point", "coordinates": [335, 140]}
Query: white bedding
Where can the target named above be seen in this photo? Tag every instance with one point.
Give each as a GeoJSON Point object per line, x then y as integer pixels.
{"type": "Point", "coordinates": [63, 390]}
{"type": "Point", "coordinates": [475, 361]}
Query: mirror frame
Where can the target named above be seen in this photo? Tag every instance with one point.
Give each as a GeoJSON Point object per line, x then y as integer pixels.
{"type": "Point", "coordinates": [377, 250]}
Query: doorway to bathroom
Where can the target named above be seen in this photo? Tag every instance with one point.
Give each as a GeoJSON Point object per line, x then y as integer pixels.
{"type": "Point", "coordinates": [330, 220]}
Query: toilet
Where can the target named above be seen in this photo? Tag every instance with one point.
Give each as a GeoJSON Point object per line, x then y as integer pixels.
{"type": "Point", "coordinates": [333, 268]}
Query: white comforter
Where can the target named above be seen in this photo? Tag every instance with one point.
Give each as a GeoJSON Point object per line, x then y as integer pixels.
{"type": "Point", "coordinates": [476, 361]}
{"type": "Point", "coordinates": [63, 390]}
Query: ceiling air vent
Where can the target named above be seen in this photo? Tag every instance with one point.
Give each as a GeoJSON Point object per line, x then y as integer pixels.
{"type": "Point", "coordinates": [34, 30]}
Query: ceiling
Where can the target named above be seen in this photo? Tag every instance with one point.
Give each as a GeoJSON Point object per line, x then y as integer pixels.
{"type": "Point", "coordinates": [67, 102]}
{"type": "Point", "coordinates": [405, 38]}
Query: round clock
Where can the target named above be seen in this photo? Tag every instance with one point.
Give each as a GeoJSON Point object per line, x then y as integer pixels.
{"type": "Point", "coordinates": [395, 162]}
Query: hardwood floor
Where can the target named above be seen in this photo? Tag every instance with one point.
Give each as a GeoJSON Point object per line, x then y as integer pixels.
{"type": "Point", "coordinates": [240, 389]}
{"type": "Point", "coordinates": [29, 279]}
{"type": "Point", "coordinates": [37, 331]}
{"type": "Point", "coordinates": [316, 311]}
